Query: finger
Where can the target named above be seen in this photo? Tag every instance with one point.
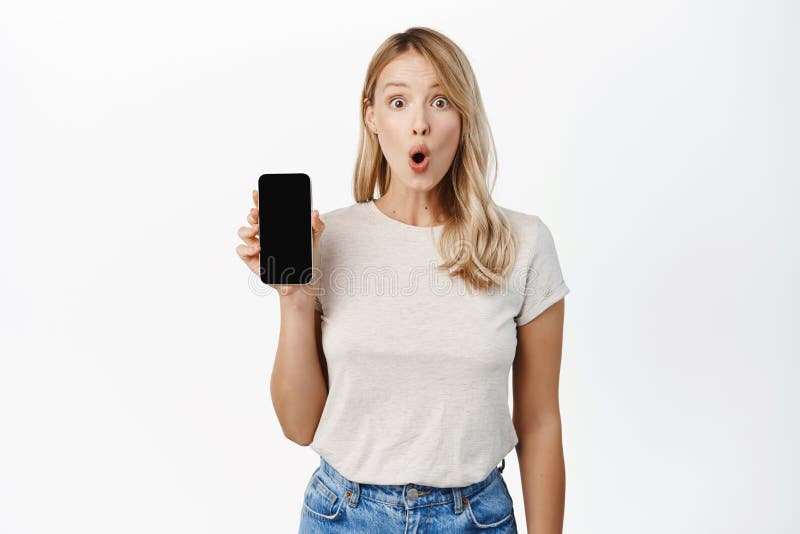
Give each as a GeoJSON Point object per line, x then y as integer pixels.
{"type": "Point", "coordinates": [248, 231]}
{"type": "Point", "coordinates": [316, 222]}
{"type": "Point", "coordinates": [247, 251]}
{"type": "Point", "coordinates": [248, 234]}
{"type": "Point", "coordinates": [255, 197]}
{"type": "Point", "coordinates": [252, 217]}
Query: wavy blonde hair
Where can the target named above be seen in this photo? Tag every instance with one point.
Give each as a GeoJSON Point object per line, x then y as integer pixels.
{"type": "Point", "coordinates": [478, 242]}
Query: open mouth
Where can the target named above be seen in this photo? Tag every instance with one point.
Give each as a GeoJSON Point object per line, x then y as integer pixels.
{"type": "Point", "coordinates": [419, 158]}
{"type": "Point", "coordinates": [419, 162]}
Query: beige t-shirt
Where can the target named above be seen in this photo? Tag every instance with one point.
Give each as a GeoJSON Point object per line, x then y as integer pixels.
{"type": "Point", "coordinates": [418, 364]}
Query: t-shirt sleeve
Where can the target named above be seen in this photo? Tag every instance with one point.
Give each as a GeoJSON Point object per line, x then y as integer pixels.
{"type": "Point", "coordinates": [544, 282]}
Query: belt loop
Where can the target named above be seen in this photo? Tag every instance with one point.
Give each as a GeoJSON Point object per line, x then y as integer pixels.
{"type": "Point", "coordinates": [457, 500]}
{"type": "Point", "coordinates": [354, 494]}
{"type": "Point", "coordinates": [503, 466]}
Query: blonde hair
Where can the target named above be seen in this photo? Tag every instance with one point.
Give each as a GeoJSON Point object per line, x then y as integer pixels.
{"type": "Point", "coordinates": [478, 242]}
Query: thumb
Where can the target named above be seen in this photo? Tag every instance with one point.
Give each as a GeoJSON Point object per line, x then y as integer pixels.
{"type": "Point", "coordinates": [316, 222]}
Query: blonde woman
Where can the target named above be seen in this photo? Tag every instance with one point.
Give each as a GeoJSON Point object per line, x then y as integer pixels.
{"type": "Point", "coordinates": [393, 364]}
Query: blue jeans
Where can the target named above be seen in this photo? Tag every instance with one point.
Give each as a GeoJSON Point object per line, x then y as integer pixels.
{"type": "Point", "coordinates": [332, 503]}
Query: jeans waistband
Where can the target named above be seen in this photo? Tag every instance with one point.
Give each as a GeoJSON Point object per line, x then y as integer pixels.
{"type": "Point", "coordinates": [410, 495]}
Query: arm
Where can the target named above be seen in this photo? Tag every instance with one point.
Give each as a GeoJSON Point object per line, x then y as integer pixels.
{"type": "Point", "coordinates": [299, 382]}
{"type": "Point", "coordinates": [537, 420]}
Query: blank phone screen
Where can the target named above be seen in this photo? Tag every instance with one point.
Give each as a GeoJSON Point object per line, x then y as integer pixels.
{"type": "Point", "coordinates": [284, 214]}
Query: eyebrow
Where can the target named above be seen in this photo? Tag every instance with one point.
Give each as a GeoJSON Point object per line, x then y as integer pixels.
{"type": "Point", "coordinates": [401, 84]}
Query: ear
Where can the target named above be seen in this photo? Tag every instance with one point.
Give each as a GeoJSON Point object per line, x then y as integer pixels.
{"type": "Point", "coordinates": [369, 117]}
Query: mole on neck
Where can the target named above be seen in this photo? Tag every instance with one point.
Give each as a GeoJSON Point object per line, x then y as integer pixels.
{"type": "Point", "coordinates": [423, 215]}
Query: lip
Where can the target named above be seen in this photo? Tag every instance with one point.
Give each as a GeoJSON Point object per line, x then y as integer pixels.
{"type": "Point", "coordinates": [422, 166]}
{"type": "Point", "coordinates": [419, 148]}
{"type": "Point", "coordinates": [419, 167]}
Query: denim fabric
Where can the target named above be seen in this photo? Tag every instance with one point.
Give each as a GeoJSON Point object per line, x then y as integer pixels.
{"type": "Point", "coordinates": [334, 504]}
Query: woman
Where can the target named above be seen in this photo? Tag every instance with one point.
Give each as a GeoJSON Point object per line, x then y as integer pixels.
{"type": "Point", "coordinates": [402, 388]}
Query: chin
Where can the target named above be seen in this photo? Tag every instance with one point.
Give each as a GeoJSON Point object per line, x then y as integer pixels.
{"type": "Point", "coordinates": [422, 183]}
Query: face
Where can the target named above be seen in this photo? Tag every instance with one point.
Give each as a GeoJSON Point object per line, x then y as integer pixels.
{"type": "Point", "coordinates": [414, 112]}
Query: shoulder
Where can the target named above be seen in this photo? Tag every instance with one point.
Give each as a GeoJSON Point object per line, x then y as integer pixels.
{"type": "Point", "coordinates": [343, 217]}
{"type": "Point", "coordinates": [527, 226]}
{"type": "Point", "coordinates": [536, 243]}
{"type": "Point", "coordinates": [338, 214]}
{"type": "Point", "coordinates": [341, 224]}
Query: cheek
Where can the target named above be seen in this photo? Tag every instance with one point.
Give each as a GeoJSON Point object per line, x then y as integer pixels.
{"type": "Point", "coordinates": [451, 129]}
{"type": "Point", "coordinates": [451, 124]}
{"type": "Point", "coordinates": [388, 125]}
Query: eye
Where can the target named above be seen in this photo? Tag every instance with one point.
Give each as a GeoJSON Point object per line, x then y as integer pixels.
{"type": "Point", "coordinates": [442, 98]}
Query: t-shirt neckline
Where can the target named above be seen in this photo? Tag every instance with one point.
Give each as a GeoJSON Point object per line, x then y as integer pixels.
{"type": "Point", "coordinates": [401, 224]}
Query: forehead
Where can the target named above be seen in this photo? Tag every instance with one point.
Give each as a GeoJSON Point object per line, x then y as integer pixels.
{"type": "Point", "coordinates": [409, 70]}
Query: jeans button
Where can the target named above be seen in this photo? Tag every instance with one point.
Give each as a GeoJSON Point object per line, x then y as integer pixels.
{"type": "Point", "coordinates": [413, 494]}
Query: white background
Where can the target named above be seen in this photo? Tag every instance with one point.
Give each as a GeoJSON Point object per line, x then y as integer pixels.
{"type": "Point", "coordinates": [658, 141]}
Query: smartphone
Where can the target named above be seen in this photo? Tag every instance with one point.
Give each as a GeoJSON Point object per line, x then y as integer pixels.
{"type": "Point", "coordinates": [285, 232]}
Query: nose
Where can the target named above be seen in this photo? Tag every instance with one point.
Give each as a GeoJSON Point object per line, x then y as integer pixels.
{"type": "Point", "coordinates": [421, 125]}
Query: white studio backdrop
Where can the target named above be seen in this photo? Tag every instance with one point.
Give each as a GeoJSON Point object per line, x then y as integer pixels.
{"type": "Point", "coordinates": [658, 141]}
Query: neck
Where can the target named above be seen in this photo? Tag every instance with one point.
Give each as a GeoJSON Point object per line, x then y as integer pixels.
{"type": "Point", "coordinates": [416, 210]}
